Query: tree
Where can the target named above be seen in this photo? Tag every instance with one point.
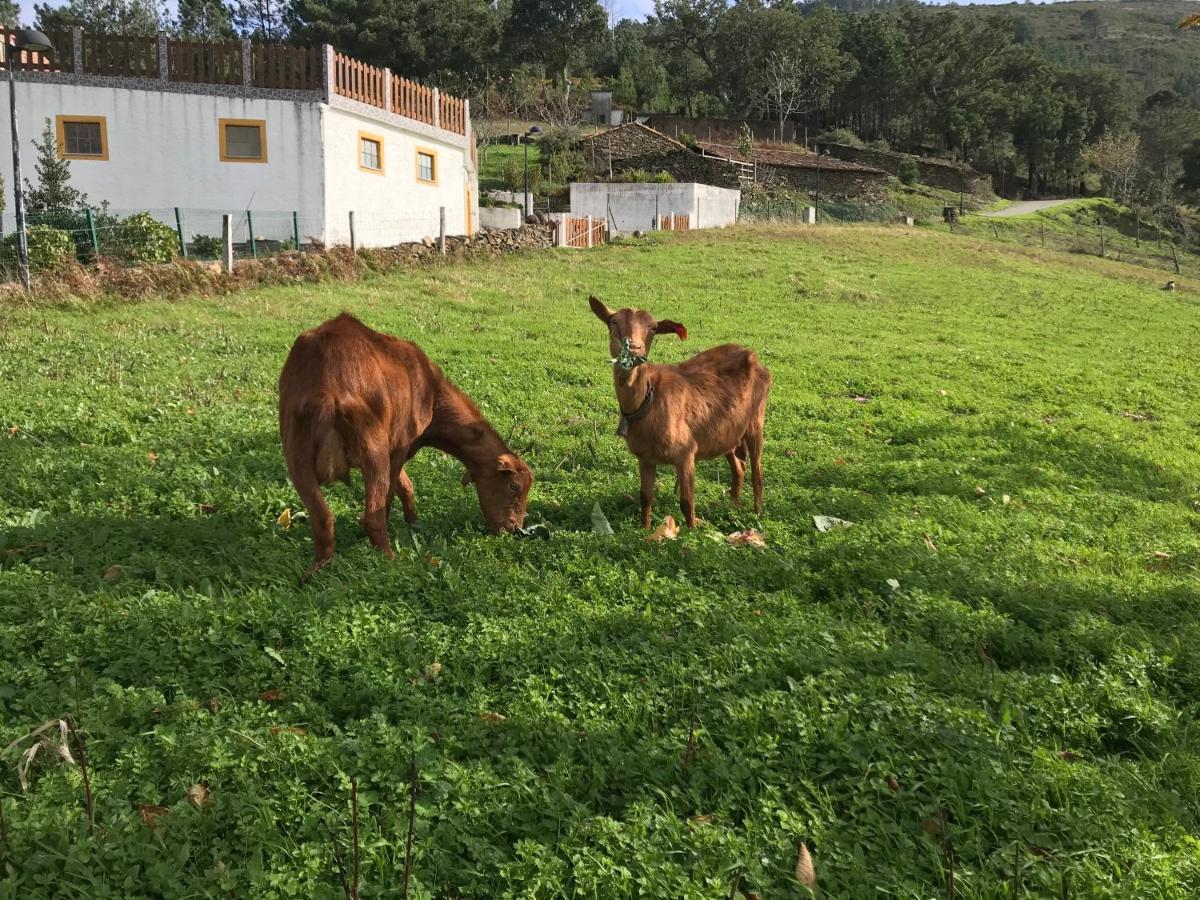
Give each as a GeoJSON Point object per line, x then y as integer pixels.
{"type": "Point", "coordinates": [264, 20]}
{"type": "Point", "coordinates": [1093, 22]}
{"type": "Point", "coordinates": [1167, 124]}
{"type": "Point", "coordinates": [10, 13]}
{"type": "Point", "coordinates": [104, 16]}
{"type": "Point", "coordinates": [554, 32]}
{"type": "Point", "coordinates": [1116, 157]}
{"type": "Point", "coordinates": [53, 192]}
{"type": "Point", "coordinates": [205, 20]}
{"type": "Point", "coordinates": [805, 75]}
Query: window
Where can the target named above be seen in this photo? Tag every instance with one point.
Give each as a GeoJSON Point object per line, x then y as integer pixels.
{"type": "Point", "coordinates": [82, 137]}
{"type": "Point", "coordinates": [243, 140]}
{"type": "Point", "coordinates": [426, 166]}
{"type": "Point", "coordinates": [370, 152]}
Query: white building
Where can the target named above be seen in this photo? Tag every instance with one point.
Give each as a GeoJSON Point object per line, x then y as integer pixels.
{"type": "Point", "coordinates": [298, 137]}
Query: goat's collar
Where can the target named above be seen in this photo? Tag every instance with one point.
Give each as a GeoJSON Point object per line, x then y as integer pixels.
{"type": "Point", "coordinates": [628, 419]}
{"type": "Point", "coordinates": [625, 358]}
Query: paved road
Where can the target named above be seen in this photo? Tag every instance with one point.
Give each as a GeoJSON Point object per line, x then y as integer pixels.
{"type": "Point", "coordinates": [1021, 207]}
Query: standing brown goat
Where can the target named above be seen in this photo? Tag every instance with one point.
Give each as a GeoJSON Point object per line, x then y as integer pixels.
{"type": "Point", "coordinates": [353, 398]}
{"type": "Point", "coordinates": [711, 405]}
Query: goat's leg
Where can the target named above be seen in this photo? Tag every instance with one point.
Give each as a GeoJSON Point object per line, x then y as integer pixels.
{"type": "Point", "coordinates": [649, 473]}
{"type": "Point", "coordinates": [320, 519]}
{"type": "Point", "coordinates": [754, 447]}
{"type": "Point", "coordinates": [404, 487]}
{"type": "Point", "coordinates": [737, 472]}
{"type": "Point", "coordinates": [376, 469]}
{"type": "Point", "coordinates": [685, 474]}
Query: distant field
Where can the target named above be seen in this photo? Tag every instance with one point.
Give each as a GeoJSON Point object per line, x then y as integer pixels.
{"type": "Point", "coordinates": [996, 666]}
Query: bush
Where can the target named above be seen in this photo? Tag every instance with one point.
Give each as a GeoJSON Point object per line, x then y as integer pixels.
{"type": "Point", "coordinates": [49, 248]}
{"type": "Point", "coordinates": [559, 140]}
{"type": "Point", "coordinates": [514, 176]}
{"type": "Point", "coordinates": [840, 136]}
{"type": "Point", "coordinates": [565, 165]}
{"type": "Point", "coordinates": [909, 173]}
{"type": "Point", "coordinates": [205, 246]}
{"type": "Point", "coordinates": [880, 144]}
{"type": "Point", "coordinates": [663, 178]}
{"type": "Point", "coordinates": [688, 139]}
{"type": "Point", "coordinates": [144, 239]}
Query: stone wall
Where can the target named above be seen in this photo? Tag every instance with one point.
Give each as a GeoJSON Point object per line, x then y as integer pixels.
{"type": "Point", "coordinates": [936, 173]}
{"type": "Point", "coordinates": [683, 166]}
{"type": "Point", "coordinates": [722, 129]}
{"type": "Point", "coordinates": [832, 184]}
{"type": "Point", "coordinates": [625, 142]}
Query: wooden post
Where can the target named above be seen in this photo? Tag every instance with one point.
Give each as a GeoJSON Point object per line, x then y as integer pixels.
{"type": "Point", "coordinates": [589, 231]}
{"type": "Point", "coordinates": [296, 230]}
{"type": "Point", "coordinates": [227, 241]}
{"type": "Point", "coordinates": [442, 230]}
{"type": "Point", "coordinates": [437, 108]}
{"type": "Point", "coordinates": [353, 239]}
{"type": "Point", "coordinates": [91, 223]}
{"type": "Point", "coordinates": [387, 89]}
{"type": "Point", "coordinates": [250, 228]}
{"type": "Point", "coordinates": [1175, 258]}
{"type": "Point", "coordinates": [1043, 235]}
{"type": "Point", "coordinates": [178, 230]}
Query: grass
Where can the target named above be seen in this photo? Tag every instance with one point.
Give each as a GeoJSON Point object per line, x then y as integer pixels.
{"type": "Point", "coordinates": [996, 666]}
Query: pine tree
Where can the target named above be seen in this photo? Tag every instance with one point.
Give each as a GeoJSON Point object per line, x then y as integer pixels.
{"type": "Point", "coordinates": [53, 192]}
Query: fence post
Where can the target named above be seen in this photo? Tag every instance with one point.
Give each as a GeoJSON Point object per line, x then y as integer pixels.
{"type": "Point", "coordinates": [1043, 235]}
{"type": "Point", "coordinates": [178, 230]}
{"type": "Point", "coordinates": [1175, 258]}
{"type": "Point", "coordinates": [77, 49]}
{"type": "Point", "coordinates": [1102, 240]}
{"type": "Point", "coordinates": [353, 238]}
{"type": "Point", "coordinates": [657, 221]}
{"type": "Point", "coordinates": [247, 64]}
{"type": "Point", "coordinates": [250, 228]}
{"type": "Point", "coordinates": [589, 231]}
{"type": "Point", "coordinates": [437, 108]}
{"type": "Point", "coordinates": [227, 241]}
{"type": "Point", "coordinates": [91, 223]}
{"type": "Point", "coordinates": [387, 89]}
{"type": "Point", "coordinates": [328, 75]}
{"type": "Point", "coordinates": [442, 230]}
{"type": "Point", "coordinates": [296, 230]}
{"type": "Point", "coordinates": [164, 72]}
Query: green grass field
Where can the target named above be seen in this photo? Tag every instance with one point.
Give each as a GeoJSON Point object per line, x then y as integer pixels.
{"type": "Point", "coordinates": [996, 666]}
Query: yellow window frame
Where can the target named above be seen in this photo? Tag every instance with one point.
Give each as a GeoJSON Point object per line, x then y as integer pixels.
{"type": "Point", "coordinates": [60, 128]}
{"type": "Point", "coordinates": [376, 139]}
{"type": "Point", "coordinates": [432, 154]}
{"type": "Point", "coordinates": [260, 124]}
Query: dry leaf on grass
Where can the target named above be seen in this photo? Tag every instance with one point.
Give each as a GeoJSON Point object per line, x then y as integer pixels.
{"type": "Point", "coordinates": [893, 784]}
{"type": "Point", "coordinates": [430, 560]}
{"type": "Point", "coordinates": [1069, 756]}
{"type": "Point", "coordinates": [285, 518]}
{"type": "Point", "coordinates": [493, 718]}
{"type": "Point", "coordinates": [667, 531]}
{"type": "Point", "coordinates": [805, 873]}
{"type": "Point", "coordinates": [432, 672]}
{"type": "Point", "coordinates": [152, 458]}
{"type": "Point", "coordinates": [274, 695]}
{"type": "Point", "coordinates": [112, 574]}
{"type": "Point", "coordinates": [930, 544]}
{"type": "Point", "coordinates": [1005, 499]}
{"type": "Point", "coordinates": [288, 729]}
{"type": "Point", "coordinates": [747, 538]}
{"type": "Point", "coordinates": [1159, 554]}
{"type": "Point", "coordinates": [701, 820]}
{"type": "Point", "coordinates": [199, 795]}
{"type": "Point", "coordinates": [979, 490]}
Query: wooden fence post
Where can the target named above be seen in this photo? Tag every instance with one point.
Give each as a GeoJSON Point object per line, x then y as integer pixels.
{"type": "Point", "coordinates": [91, 223]}
{"type": "Point", "coordinates": [589, 231]}
{"type": "Point", "coordinates": [387, 89]}
{"type": "Point", "coordinates": [250, 229]}
{"type": "Point", "coordinates": [442, 230]}
{"type": "Point", "coordinates": [437, 109]}
{"type": "Point", "coordinates": [227, 241]}
{"type": "Point", "coordinates": [353, 239]}
{"type": "Point", "coordinates": [296, 230]}
{"type": "Point", "coordinates": [178, 230]}
{"type": "Point", "coordinates": [1175, 258]}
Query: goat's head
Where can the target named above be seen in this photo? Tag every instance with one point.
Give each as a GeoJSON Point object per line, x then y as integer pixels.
{"type": "Point", "coordinates": [635, 326]}
{"type": "Point", "coordinates": [503, 492]}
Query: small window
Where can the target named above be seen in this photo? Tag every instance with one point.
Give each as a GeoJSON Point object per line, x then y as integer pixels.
{"type": "Point", "coordinates": [243, 140]}
{"type": "Point", "coordinates": [426, 166]}
{"type": "Point", "coordinates": [370, 152]}
{"type": "Point", "coordinates": [82, 137]}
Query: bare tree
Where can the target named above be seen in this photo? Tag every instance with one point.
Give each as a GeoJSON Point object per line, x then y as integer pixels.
{"type": "Point", "coordinates": [786, 90]}
{"type": "Point", "coordinates": [1117, 158]}
{"type": "Point", "coordinates": [558, 107]}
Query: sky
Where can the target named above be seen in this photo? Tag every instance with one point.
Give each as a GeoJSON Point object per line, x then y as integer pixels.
{"type": "Point", "coordinates": [623, 9]}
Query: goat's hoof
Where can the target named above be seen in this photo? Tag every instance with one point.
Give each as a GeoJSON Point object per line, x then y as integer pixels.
{"type": "Point", "coordinates": [314, 569]}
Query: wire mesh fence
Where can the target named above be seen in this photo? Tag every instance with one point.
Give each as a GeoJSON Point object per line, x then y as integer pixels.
{"type": "Point", "coordinates": [786, 209]}
{"type": "Point", "coordinates": [132, 237]}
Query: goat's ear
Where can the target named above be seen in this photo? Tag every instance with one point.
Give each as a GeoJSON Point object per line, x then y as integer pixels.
{"type": "Point", "coordinates": [666, 326]}
{"type": "Point", "coordinates": [466, 477]}
{"type": "Point", "coordinates": [603, 313]}
{"type": "Point", "coordinates": [508, 465]}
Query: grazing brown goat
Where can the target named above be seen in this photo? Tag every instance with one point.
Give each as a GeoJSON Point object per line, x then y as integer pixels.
{"type": "Point", "coordinates": [711, 405]}
{"type": "Point", "coordinates": [352, 398]}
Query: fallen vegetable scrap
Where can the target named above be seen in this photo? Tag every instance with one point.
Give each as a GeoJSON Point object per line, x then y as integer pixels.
{"type": "Point", "coordinates": [747, 538]}
{"type": "Point", "coordinates": [667, 531]}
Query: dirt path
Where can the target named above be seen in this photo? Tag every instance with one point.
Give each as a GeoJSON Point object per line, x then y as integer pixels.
{"type": "Point", "coordinates": [1021, 207]}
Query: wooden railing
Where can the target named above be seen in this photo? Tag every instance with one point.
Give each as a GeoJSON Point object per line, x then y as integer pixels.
{"type": "Point", "coordinates": [61, 60]}
{"type": "Point", "coordinates": [582, 232]}
{"type": "Point", "coordinates": [120, 54]}
{"type": "Point", "coordinates": [674, 223]}
{"type": "Point", "coordinates": [198, 62]}
{"type": "Point", "coordinates": [453, 114]}
{"type": "Point", "coordinates": [415, 101]}
{"type": "Point", "coordinates": [277, 66]}
{"type": "Point", "coordinates": [358, 81]}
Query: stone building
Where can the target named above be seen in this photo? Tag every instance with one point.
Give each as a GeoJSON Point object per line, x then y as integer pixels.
{"type": "Point", "coordinates": [939, 173]}
{"type": "Point", "coordinates": [819, 175]}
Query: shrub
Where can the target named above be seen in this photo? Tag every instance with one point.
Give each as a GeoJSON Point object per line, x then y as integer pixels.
{"type": "Point", "coordinates": [514, 176]}
{"type": "Point", "coordinates": [559, 140]}
{"type": "Point", "coordinates": [144, 239]}
{"type": "Point", "coordinates": [566, 165]}
{"type": "Point", "coordinates": [880, 144]}
{"type": "Point", "coordinates": [909, 173]}
{"type": "Point", "coordinates": [205, 246]}
{"type": "Point", "coordinates": [688, 139]}
{"type": "Point", "coordinates": [663, 178]}
{"type": "Point", "coordinates": [49, 248]}
{"type": "Point", "coordinates": [840, 136]}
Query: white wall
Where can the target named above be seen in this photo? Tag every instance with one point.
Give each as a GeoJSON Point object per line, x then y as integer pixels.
{"type": "Point", "coordinates": [164, 151]}
{"type": "Point", "coordinates": [392, 207]}
{"type": "Point", "coordinates": [632, 207]}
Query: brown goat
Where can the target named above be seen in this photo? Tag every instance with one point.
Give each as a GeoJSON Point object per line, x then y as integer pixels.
{"type": "Point", "coordinates": [350, 397]}
{"type": "Point", "coordinates": [711, 405]}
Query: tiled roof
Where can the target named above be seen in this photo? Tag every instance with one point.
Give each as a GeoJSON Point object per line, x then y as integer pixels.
{"type": "Point", "coordinates": [784, 158]}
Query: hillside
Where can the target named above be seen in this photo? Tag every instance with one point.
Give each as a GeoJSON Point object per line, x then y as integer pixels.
{"type": "Point", "coordinates": [1138, 38]}
{"type": "Point", "coordinates": [996, 666]}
